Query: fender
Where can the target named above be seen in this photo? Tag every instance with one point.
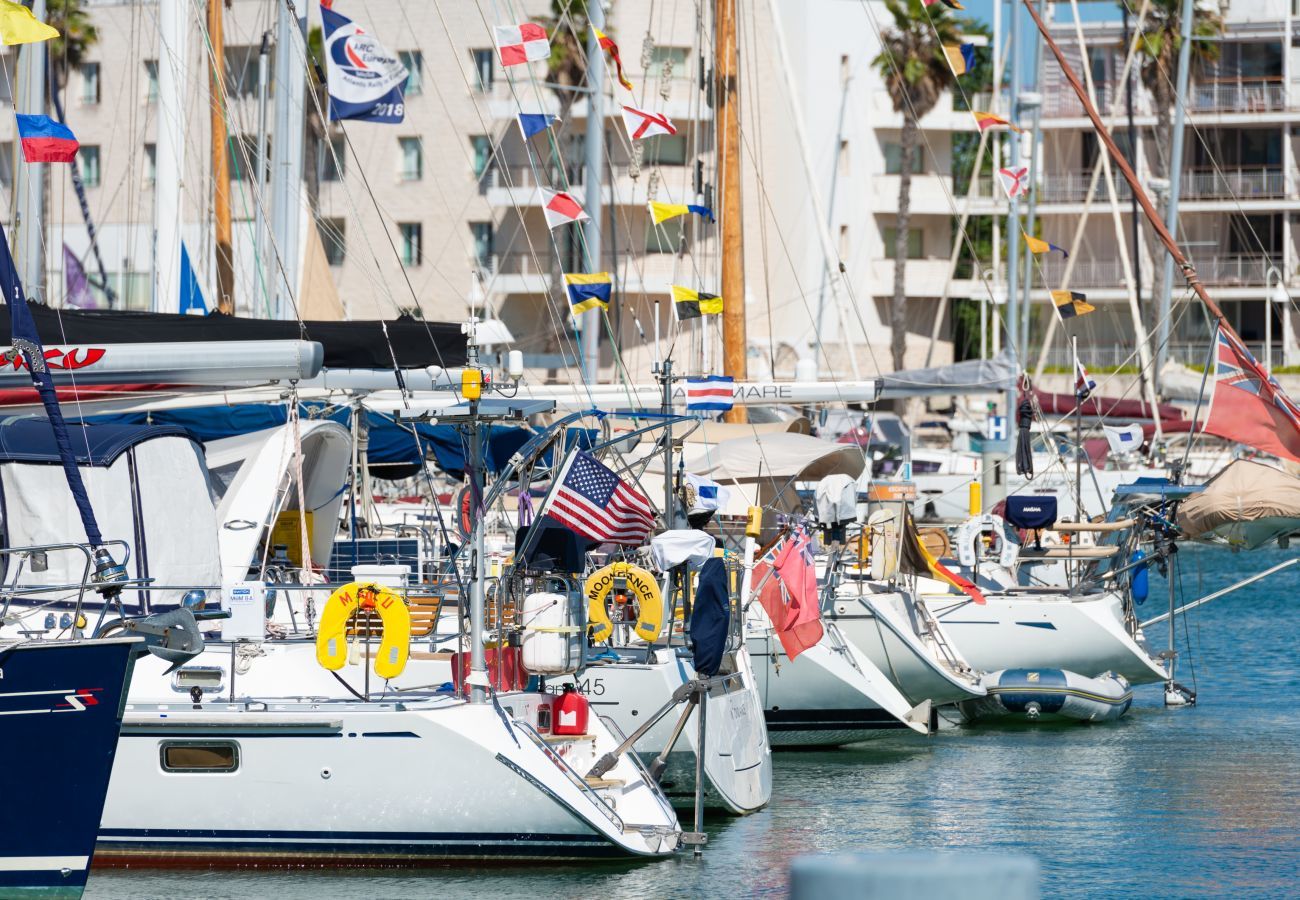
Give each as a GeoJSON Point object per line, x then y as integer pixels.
{"type": "Point", "coordinates": [343, 604]}
{"type": "Point", "coordinates": [650, 604]}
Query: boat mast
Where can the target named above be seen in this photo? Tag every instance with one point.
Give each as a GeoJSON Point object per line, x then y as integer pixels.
{"type": "Point", "coordinates": [173, 36]}
{"type": "Point", "coordinates": [1175, 187]}
{"type": "Point", "coordinates": [733, 262]}
{"type": "Point", "coordinates": [220, 163]}
{"type": "Point", "coordinates": [1148, 209]}
{"type": "Point", "coordinates": [595, 154]}
{"type": "Point", "coordinates": [31, 176]}
{"type": "Point", "coordinates": [286, 154]}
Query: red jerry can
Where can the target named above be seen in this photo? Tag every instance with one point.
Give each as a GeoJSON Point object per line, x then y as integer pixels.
{"type": "Point", "coordinates": [570, 713]}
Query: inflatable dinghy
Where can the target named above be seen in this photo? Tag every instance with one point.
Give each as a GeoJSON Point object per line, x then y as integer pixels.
{"type": "Point", "coordinates": [1050, 695]}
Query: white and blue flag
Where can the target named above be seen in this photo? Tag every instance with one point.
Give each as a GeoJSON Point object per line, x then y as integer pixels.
{"type": "Point", "coordinates": [1126, 439]}
{"type": "Point", "coordinates": [365, 80]}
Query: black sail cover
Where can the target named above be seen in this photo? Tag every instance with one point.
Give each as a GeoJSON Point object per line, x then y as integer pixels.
{"type": "Point", "coordinates": [710, 618]}
{"type": "Point", "coordinates": [348, 345]}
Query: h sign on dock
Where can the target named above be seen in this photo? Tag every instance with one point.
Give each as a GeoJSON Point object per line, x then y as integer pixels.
{"type": "Point", "coordinates": [997, 428]}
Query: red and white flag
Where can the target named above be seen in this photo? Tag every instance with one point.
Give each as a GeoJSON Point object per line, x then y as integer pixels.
{"type": "Point", "coordinates": [641, 124]}
{"type": "Point", "coordinates": [590, 499]}
{"type": "Point", "coordinates": [520, 44]}
{"type": "Point", "coordinates": [561, 209]}
{"type": "Point", "coordinates": [789, 594]}
{"type": "Point", "coordinates": [1014, 181]}
{"type": "Point", "coordinates": [1248, 406]}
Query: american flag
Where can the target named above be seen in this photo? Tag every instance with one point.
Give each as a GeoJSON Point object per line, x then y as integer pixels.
{"type": "Point", "coordinates": [1249, 406]}
{"type": "Point", "coordinates": [594, 502]}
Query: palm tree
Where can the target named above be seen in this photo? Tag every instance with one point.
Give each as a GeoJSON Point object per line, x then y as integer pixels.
{"type": "Point", "coordinates": [916, 73]}
{"type": "Point", "coordinates": [1158, 45]}
{"type": "Point", "coordinates": [77, 34]}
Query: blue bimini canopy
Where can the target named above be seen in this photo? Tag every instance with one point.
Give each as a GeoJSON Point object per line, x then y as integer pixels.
{"type": "Point", "coordinates": [30, 440]}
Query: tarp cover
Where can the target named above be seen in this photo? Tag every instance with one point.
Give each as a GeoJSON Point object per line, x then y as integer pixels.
{"type": "Point", "coordinates": [1246, 505]}
{"type": "Point", "coordinates": [974, 376]}
{"type": "Point", "coordinates": [153, 495]}
{"type": "Point", "coordinates": [355, 345]}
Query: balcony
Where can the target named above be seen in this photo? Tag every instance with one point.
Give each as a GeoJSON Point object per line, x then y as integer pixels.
{"type": "Point", "coordinates": [525, 271]}
{"type": "Point", "coordinates": [1265, 95]}
{"type": "Point", "coordinates": [1252, 183]}
{"type": "Point", "coordinates": [1217, 271]}
{"type": "Point", "coordinates": [517, 185]}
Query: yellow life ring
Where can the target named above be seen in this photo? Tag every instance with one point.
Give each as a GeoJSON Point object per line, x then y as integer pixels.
{"type": "Point", "coordinates": [343, 604]}
{"type": "Point", "coordinates": [641, 586]}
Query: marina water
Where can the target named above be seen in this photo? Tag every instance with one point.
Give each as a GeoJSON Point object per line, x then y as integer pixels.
{"type": "Point", "coordinates": [1195, 802]}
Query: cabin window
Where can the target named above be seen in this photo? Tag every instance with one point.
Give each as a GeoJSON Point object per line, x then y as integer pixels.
{"type": "Point", "coordinates": [199, 757]}
{"type": "Point", "coordinates": [413, 60]}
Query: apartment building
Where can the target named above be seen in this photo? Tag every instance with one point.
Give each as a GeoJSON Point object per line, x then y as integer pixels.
{"type": "Point", "coordinates": [1239, 197]}
{"type": "Point", "coordinates": [442, 214]}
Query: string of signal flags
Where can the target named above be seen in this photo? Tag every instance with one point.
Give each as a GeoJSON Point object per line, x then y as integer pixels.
{"type": "Point", "coordinates": [528, 42]}
{"type": "Point", "coordinates": [1015, 181]}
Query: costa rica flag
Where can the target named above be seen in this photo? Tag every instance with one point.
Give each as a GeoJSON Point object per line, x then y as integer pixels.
{"type": "Point", "coordinates": [45, 140]}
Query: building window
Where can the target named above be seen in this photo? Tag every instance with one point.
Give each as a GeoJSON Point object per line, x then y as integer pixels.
{"type": "Point", "coordinates": [844, 158]}
{"type": "Point", "coordinates": [333, 234]}
{"type": "Point", "coordinates": [150, 164]}
{"type": "Point", "coordinates": [844, 242]}
{"type": "Point", "coordinates": [412, 158]}
{"type": "Point", "coordinates": [484, 69]}
{"type": "Point", "coordinates": [666, 237]}
{"type": "Point", "coordinates": [665, 150]}
{"type": "Point", "coordinates": [482, 147]}
{"type": "Point", "coordinates": [245, 160]}
{"type": "Point", "coordinates": [413, 60]}
{"type": "Point", "coordinates": [88, 156]}
{"type": "Point", "coordinates": [669, 62]}
{"type": "Point", "coordinates": [412, 243]}
{"type": "Point", "coordinates": [482, 232]}
{"type": "Point", "coordinates": [90, 83]}
{"type": "Point", "coordinates": [894, 160]}
{"type": "Point", "coordinates": [7, 164]}
{"type": "Point", "coordinates": [844, 70]}
{"type": "Point", "coordinates": [331, 159]}
{"type": "Point", "coordinates": [209, 757]}
{"type": "Point", "coordinates": [151, 80]}
{"type": "Point", "coordinates": [915, 242]}
{"type": "Point", "coordinates": [241, 70]}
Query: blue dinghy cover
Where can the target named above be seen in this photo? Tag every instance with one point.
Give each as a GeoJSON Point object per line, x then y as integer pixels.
{"type": "Point", "coordinates": [710, 618]}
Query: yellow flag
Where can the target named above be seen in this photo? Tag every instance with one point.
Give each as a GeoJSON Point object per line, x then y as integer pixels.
{"type": "Point", "coordinates": [662, 212]}
{"type": "Point", "coordinates": [19, 26]}
{"type": "Point", "coordinates": [1037, 246]}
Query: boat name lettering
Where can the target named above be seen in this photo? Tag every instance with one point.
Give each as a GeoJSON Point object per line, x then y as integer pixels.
{"type": "Point", "coordinates": [72, 358]}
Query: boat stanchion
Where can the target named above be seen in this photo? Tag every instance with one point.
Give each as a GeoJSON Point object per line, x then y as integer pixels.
{"type": "Point", "coordinates": [698, 838]}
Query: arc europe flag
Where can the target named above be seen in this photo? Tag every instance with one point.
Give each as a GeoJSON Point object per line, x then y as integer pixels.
{"type": "Point", "coordinates": [1071, 304]}
{"type": "Point", "coordinates": [691, 304]}
{"type": "Point", "coordinates": [588, 291]}
{"type": "Point", "coordinates": [366, 82]}
{"type": "Point", "coordinates": [662, 212]}
{"type": "Point", "coordinates": [45, 140]}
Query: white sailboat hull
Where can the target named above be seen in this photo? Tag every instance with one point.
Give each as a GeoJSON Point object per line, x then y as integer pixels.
{"type": "Point", "coordinates": [1017, 631]}
{"type": "Point", "coordinates": [880, 626]}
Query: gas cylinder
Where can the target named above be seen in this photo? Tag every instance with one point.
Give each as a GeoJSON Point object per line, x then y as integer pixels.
{"type": "Point", "coordinates": [571, 712]}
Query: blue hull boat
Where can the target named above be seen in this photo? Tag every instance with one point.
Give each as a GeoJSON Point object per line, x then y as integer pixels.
{"type": "Point", "coordinates": [60, 710]}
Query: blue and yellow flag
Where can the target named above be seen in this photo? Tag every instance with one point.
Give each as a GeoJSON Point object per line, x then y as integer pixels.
{"type": "Point", "coordinates": [662, 212]}
{"type": "Point", "coordinates": [1037, 246]}
{"type": "Point", "coordinates": [1071, 304]}
{"type": "Point", "coordinates": [588, 291]}
{"type": "Point", "coordinates": [960, 58]}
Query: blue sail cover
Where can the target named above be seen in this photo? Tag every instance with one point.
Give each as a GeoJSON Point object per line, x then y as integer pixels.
{"type": "Point", "coordinates": [27, 342]}
{"type": "Point", "coordinates": [34, 441]}
{"type": "Point", "coordinates": [391, 444]}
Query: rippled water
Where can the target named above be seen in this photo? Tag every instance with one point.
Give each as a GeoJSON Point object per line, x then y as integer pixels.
{"type": "Point", "coordinates": [1165, 803]}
